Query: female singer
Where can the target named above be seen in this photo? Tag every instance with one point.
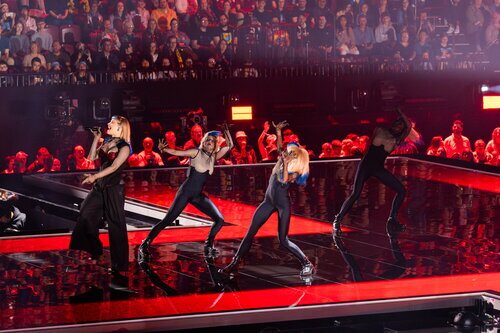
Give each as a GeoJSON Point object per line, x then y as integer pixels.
{"type": "Point", "coordinates": [201, 166]}
{"type": "Point", "coordinates": [384, 141]}
{"type": "Point", "coordinates": [106, 198]}
{"type": "Point", "coordinates": [292, 167]}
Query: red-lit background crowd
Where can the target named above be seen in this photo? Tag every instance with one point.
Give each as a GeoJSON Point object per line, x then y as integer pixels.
{"type": "Point", "coordinates": [455, 146]}
{"type": "Point", "coordinates": [112, 35]}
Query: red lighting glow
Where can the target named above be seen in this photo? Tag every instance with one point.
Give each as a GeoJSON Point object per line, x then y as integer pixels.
{"type": "Point", "coordinates": [491, 102]}
{"type": "Point", "coordinates": [241, 112]}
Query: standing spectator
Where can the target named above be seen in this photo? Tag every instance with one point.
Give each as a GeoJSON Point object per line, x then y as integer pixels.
{"type": "Point", "coordinates": [163, 15]}
{"type": "Point", "coordinates": [493, 146]}
{"type": "Point", "coordinates": [243, 153]}
{"type": "Point", "coordinates": [436, 148]}
{"type": "Point", "coordinates": [456, 143]}
{"type": "Point", "coordinates": [81, 162]}
{"type": "Point", "coordinates": [326, 151]}
{"type": "Point", "coordinates": [10, 165]}
{"type": "Point", "coordinates": [150, 157]}
{"type": "Point", "coordinates": [38, 164]}
{"type": "Point", "coordinates": [474, 23]}
{"type": "Point", "coordinates": [336, 148]}
{"type": "Point", "coordinates": [347, 145]}
{"type": "Point", "coordinates": [94, 20]}
{"type": "Point", "coordinates": [171, 140]}
{"type": "Point", "coordinates": [196, 136]}
{"type": "Point", "coordinates": [480, 154]}
{"type": "Point", "coordinates": [454, 16]}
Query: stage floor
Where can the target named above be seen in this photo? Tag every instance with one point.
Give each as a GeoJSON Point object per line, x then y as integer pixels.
{"type": "Point", "coordinates": [450, 248]}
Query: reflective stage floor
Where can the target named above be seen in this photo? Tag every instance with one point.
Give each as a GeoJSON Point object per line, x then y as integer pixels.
{"type": "Point", "coordinates": [448, 255]}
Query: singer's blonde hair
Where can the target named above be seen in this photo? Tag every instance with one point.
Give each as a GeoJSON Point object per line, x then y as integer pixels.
{"type": "Point", "coordinates": [125, 126]}
{"type": "Point", "coordinates": [300, 164]}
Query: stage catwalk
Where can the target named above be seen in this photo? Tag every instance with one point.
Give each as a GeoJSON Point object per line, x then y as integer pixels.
{"type": "Point", "coordinates": [448, 256]}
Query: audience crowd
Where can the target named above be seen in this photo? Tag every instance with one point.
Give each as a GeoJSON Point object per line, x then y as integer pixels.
{"type": "Point", "coordinates": [455, 146]}
{"type": "Point", "coordinates": [166, 36]}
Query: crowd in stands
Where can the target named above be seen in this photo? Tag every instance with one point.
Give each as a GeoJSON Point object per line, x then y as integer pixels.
{"type": "Point", "coordinates": [172, 35]}
{"type": "Point", "coordinates": [455, 146]}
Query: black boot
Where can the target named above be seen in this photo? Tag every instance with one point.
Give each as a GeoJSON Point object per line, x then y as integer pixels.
{"type": "Point", "coordinates": [232, 266]}
{"type": "Point", "coordinates": [336, 225]}
{"type": "Point", "coordinates": [394, 227]}
{"type": "Point", "coordinates": [209, 248]}
{"type": "Point", "coordinates": [143, 255]}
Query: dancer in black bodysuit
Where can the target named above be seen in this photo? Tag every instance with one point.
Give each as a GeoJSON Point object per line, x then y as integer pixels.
{"type": "Point", "coordinates": [106, 199]}
{"type": "Point", "coordinates": [384, 141]}
{"type": "Point", "coordinates": [201, 166]}
{"type": "Point", "coordinates": [291, 167]}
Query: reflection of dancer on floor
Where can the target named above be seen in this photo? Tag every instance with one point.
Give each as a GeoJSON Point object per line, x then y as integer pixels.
{"type": "Point", "coordinates": [201, 166]}
{"type": "Point", "coordinates": [292, 167]}
{"type": "Point", "coordinates": [384, 141]}
{"type": "Point", "coordinates": [106, 199]}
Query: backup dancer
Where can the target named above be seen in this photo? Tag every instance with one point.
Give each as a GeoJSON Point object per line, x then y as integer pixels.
{"type": "Point", "coordinates": [106, 199]}
{"type": "Point", "coordinates": [384, 141]}
{"type": "Point", "coordinates": [292, 167]}
{"type": "Point", "coordinates": [201, 166]}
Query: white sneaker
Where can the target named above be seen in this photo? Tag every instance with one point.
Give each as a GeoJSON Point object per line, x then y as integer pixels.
{"type": "Point", "coordinates": [450, 30]}
{"type": "Point", "coordinates": [457, 30]}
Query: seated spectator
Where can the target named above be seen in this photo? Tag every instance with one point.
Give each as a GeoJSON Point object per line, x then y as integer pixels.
{"type": "Point", "coordinates": [106, 60]}
{"type": "Point", "coordinates": [58, 55]}
{"type": "Point", "coordinates": [93, 21]}
{"type": "Point", "coordinates": [35, 71]}
{"type": "Point", "coordinates": [163, 15]}
{"type": "Point", "coordinates": [364, 36]}
{"type": "Point", "coordinates": [34, 53]}
{"type": "Point", "coordinates": [405, 17]}
{"type": "Point", "coordinates": [151, 34]}
{"type": "Point", "coordinates": [11, 218]}
{"type": "Point", "coordinates": [443, 53]}
{"type": "Point", "coordinates": [58, 13]}
{"type": "Point", "coordinates": [262, 15]}
{"type": "Point", "coordinates": [28, 21]}
{"type": "Point", "coordinates": [202, 41]}
{"type": "Point", "coordinates": [152, 55]}
{"type": "Point", "coordinates": [404, 50]}
{"type": "Point", "coordinates": [149, 157]}
{"type": "Point", "coordinates": [5, 79]}
{"type": "Point", "coordinates": [129, 36]}
{"type": "Point", "coordinates": [4, 41]}
{"type": "Point", "coordinates": [81, 54]}
{"type": "Point", "coordinates": [385, 36]}
{"type": "Point", "coordinates": [56, 165]}
{"type": "Point", "coordinates": [492, 40]}
{"type": "Point", "coordinates": [456, 143]}
{"type": "Point", "coordinates": [7, 18]}
{"type": "Point", "coordinates": [370, 16]}
{"type": "Point", "coordinates": [81, 162]}
{"type": "Point", "coordinates": [38, 164]}
{"type": "Point", "coordinates": [19, 43]}
{"type": "Point", "coordinates": [243, 153]}
{"type": "Point", "coordinates": [182, 38]}
{"type": "Point", "coordinates": [225, 32]}
{"type": "Point", "coordinates": [326, 151]}
{"type": "Point", "coordinates": [480, 154]}
{"type": "Point", "coordinates": [42, 36]}
{"type": "Point", "coordinates": [436, 148]}
{"type": "Point", "coordinates": [422, 45]}
{"type": "Point", "coordinates": [321, 9]}
{"type": "Point", "coordinates": [424, 63]}
{"type": "Point", "coordinates": [111, 34]}
{"type": "Point", "coordinates": [146, 73]}
{"type": "Point", "coordinates": [175, 54]}
{"type": "Point", "coordinates": [82, 76]}
{"type": "Point", "coordinates": [423, 24]}
{"type": "Point", "coordinates": [140, 16]}
{"type": "Point", "coordinates": [321, 37]}
{"type": "Point", "coordinates": [118, 17]}
{"type": "Point", "coordinates": [196, 136]}
{"type": "Point", "coordinates": [166, 71]}
{"type": "Point", "coordinates": [363, 142]}
{"type": "Point", "coordinates": [475, 23]}
{"type": "Point", "coordinates": [345, 40]}
{"type": "Point", "coordinates": [223, 55]}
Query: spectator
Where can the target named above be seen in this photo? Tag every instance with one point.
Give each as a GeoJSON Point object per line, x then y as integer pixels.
{"type": "Point", "coordinates": [171, 140]}
{"type": "Point", "coordinates": [163, 15]}
{"type": "Point", "coordinates": [42, 36]}
{"type": "Point", "coordinates": [336, 148]}
{"type": "Point", "coordinates": [223, 55]}
{"type": "Point", "coordinates": [385, 36]}
{"type": "Point", "coordinates": [366, 12]}
{"type": "Point", "coordinates": [58, 55]}
{"type": "Point", "coordinates": [58, 13]}
{"type": "Point", "coordinates": [224, 31]}
{"type": "Point", "coordinates": [422, 46]}
{"type": "Point", "coordinates": [443, 52]}
{"type": "Point", "coordinates": [29, 22]}
{"type": "Point", "coordinates": [4, 41]}
{"type": "Point", "coordinates": [182, 38]}
{"type": "Point", "coordinates": [345, 40]}
{"type": "Point", "coordinates": [129, 36]}
{"type": "Point", "coordinates": [326, 151]}
{"type": "Point", "coordinates": [19, 43]}
{"type": "Point", "coordinates": [148, 156]}
{"type": "Point", "coordinates": [243, 153]}
{"type": "Point", "coordinates": [94, 20]}
{"type": "Point", "coordinates": [118, 17]}
{"type": "Point", "coordinates": [474, 23]}
{"type": "Point", "coordinates": [196, 136]}
{"type": "Point", "coordinates": [151, 34]}
{"type": "Point", "coordinates": [321, 9]}
{"type": "Point", "coordinates": [140, 16]}
{"type": "Point", "coordinates": [456, 143]}
{"type": "Point", "coordinates": [436, 148]}
{"type": "Point", "coordinates": [109, 33]}
{"type": "Point", "coordinates": [35, 71]}
{"type": "Point", "coordinates": [106, 60]}
{"type": "Point", "coordinates": [20, 162]}
{"type": "Point", "coordinates": [405, 17]}
{"type": "Point", "coordinates": [38, 164]}
{"type": "Point", "coordinates": [260, 141]}
{"type": "Point", "coordinates": [81, 54]}
{"type": "Point", "coordinates": [404, 51]}
{"type": "Point", "coordinates": [493, 146]}
{"type": "Point", "coordinates": [322, 37]}
{"type": "Point", "coordinates": [454, 16]}
{"type": "Point", "coordinates": [10, 165]}
{"type": "Point", "coordinates": [480, 154]}
{"type": "Point", "coordinates": [364, 36]}
{"type": "Point", "coordinates": [82, 76]}
{"type": "Point", "coordinates": [152, 56]}
{"type": "Point", "coordinates": [128, 56]}
{"type": "Point", "coordinates": [261, 14]}
{"type": "Point", "coordinates": [424, 24]}
{"type": "Point", "coordinates": [81, 162]}
{"type": "Point", "coordinates": [202, 41]}
{"type": "Point", "coordinates": [7, 18]}
{"type": "Point", "coordinates": [347, 144]}
{"type": "Point", "coordinates": [34, 53]}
